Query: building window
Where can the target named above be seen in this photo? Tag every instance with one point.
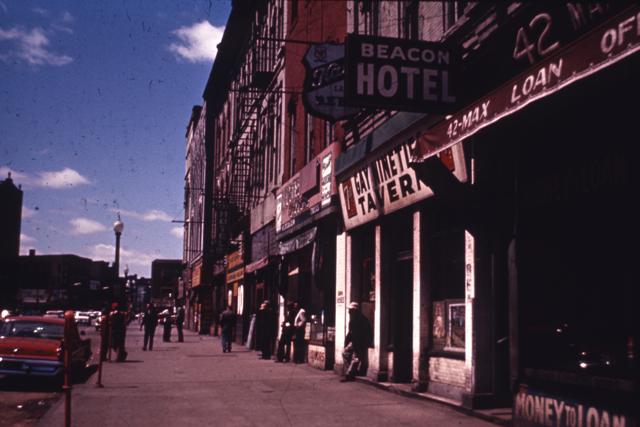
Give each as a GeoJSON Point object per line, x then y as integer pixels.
{"type": "Point", "coordinates": [453, 10]}
{"type": "Point", "coordinates": [329, 133]}
{"type": "Point", "coordinates": [309, 140]}
{"type": "Point", "coordinates": [409, 19]}
{"type": "Point", "coordinates": [292, 138]}
{"type": "Point", "coordinates": [367, 16]}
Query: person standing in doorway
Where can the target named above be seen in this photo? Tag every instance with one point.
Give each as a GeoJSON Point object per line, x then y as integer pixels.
{"type": "Point", "coordinates": [150, 322]}
{"type": "Point", "coordinates": [266, 330]}
{"type": "Point", "coordinates": [180, 323]}
{"type": "Point", "coordinates": [227, 324]}
{"type": "Point", "coordinates": [356, 343]}
{"type": "Point", "coordinates": [286, 334]}
{"type": "Point", "coordinates": [299, 324]}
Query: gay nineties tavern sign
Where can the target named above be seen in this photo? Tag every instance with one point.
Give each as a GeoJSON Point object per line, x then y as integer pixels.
{"type": "Point", "coordinates": [399, 74]}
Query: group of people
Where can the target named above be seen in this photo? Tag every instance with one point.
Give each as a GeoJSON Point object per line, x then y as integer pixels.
{"type": "Point", "coordinates": [149, 322]}
{"type": "Point", "coordinates": [356, 344]}
{"type": "Point", "coordinates": [113, 332]}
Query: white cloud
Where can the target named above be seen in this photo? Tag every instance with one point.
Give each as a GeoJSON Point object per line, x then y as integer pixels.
{"type": "Point", "coordinates": [86, 226]}
{"type": "Point", "coordinates": [150, 215]}
{"type": "Point", "coordinates": [27, 212]}
{"type": "Point", "coordinates": [31, 46]}
{"type": "Point", "coordinates": [15, 176]}
{"type": "Point", "coordinates": [64, 178]}
{"type": "Point", "coordinates": [103, 251]}
{"type": "Point", "coordinates": [177, 231]}
{"type": "Point", "coordinates": [24, 239]}
{"type": "Point", "coordinates": [197, 43]}
{"type": "Point", "coordinates": [61, 179]}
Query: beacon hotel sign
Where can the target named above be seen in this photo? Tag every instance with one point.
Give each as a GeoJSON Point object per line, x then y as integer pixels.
{"type": "Point", "coordinates": [399, 74]}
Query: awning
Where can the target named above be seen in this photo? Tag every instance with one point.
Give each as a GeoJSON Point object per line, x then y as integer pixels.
{"type": "Point", "coordinates": [596, 50]}
{"type": "Point", "coordinates": [298, 242]}
{"type": "Point", "coordinates": [257, 265]}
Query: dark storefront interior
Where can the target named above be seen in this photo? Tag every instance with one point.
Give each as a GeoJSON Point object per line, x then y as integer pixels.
{"type": "Point", "coordinates": [562, 170]}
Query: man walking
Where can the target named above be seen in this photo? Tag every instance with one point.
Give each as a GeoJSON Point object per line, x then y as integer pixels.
{"type": "Point", "coordinates": [356, 343]}
{"type": "Point", "coordinates": [150, 322]}
{"type": "Point", "coordinates": [227, 323]}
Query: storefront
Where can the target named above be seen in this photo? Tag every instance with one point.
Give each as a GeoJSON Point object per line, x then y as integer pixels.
{"type": "Point", "coordinates": [404, 259]}
{"type": "Point", "coordinates": [235, 293]}
{"type": "Point", "coordinates": [306, 213]}
{"type": "Point", "coordinates": [553, 220]}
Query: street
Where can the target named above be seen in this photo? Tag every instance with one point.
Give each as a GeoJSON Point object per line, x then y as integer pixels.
{"type": "Point", "coordinates": [24, 400]}
{"type": "Point", "coordinates": [194, 383]}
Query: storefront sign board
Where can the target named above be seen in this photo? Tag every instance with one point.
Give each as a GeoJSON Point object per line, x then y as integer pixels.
{"type": "Point", "coordinates": [295, 202]}
{"type": "Point", "coordinates": [387, 184]}
{"type": "Point", "coordinates": [323, 87]}
{"type": "Point", "coordinates": [400, 74]}
{"type": "Point", "coordinates": [609, 43]}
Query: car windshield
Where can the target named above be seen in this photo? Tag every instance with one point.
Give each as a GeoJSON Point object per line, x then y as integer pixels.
{"type": "Point", "coordinates": [31, 329]}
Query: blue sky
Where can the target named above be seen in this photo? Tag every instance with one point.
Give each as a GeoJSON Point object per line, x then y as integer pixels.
{"type": "Point", "coordinates": [95, 97]}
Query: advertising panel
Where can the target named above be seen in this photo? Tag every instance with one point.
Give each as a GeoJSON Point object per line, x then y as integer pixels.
{"type": "Point", "coordinates": [388, 183]}
{"type": "Point", "coordinates": [323, 88]}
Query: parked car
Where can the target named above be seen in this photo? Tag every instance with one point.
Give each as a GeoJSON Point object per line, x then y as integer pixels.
{"type": "Point", "coordinates": [58, 314]}
{"type": "Point", "coordinates": [82, 318]}
{"type": "Point", "coordinates": [34, 346]}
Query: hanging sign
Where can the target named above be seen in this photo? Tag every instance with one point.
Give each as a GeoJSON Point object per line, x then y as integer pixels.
{"type": "Point", "coordinates": [609, 43]}
{"type": "Point", "coordinates": [323, 88]}
{"type": "Point", "coordinates": [400, 74]}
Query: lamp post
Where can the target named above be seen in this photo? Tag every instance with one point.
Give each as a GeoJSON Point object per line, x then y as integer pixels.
{"type": "Point", "coordinates": [118, 226]}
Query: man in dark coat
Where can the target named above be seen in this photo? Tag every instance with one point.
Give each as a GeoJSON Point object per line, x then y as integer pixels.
{"type": "Point", "coordinates": [266, 330]}
{"type": "Point", "coordinates": [227, 323]}
{"type": "Point", "coordinates": [118, 322]}
{"type": "Point", "coordinates": [356, 343]}
{"type": "Point", "coordinates": [286, 334]}
{"type": "Point", "coordinates": [180, 322]}
{"type": "Point", "coordinates": [150, 321]}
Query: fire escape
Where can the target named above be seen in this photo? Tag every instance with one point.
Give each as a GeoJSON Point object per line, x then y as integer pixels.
{"type": "Point", "coordinates": [233, 203]}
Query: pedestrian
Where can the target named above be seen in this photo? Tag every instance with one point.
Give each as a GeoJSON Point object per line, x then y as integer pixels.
{"type": "Point", "coordinates": [356, 344]}
{"type": "Point", "coordinates": [150, 321]}
{"type": "Point", "coordinates": [180, 322]}
{"type": "Point", "coordinates": [299, 324]}
{"type": "Point", "coordinates": [227, 324]}
{"type": "Point", "coordinates": [286, 333]}
{"type": "Point", "coordinates": [118, 332]}
{"type": "Point", "coordinates": [166, 326]}
{"type": "Point", "coordinates": [266, 330]}
{"type": "Point", "coordinates": [105, 333]}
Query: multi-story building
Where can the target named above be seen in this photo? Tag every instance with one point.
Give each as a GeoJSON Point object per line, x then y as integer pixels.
{"type": "Point", "coordinates": [486, 223]}
{"type": "Point", "coordinates": [10, 222]}
{"type": "Point", "coordinates": [10, 218]}
{"type": "Point", "coordinates": [481, 241]}
{"type": "Point", "coordinates": [196, 278]}
{"type": "Point", "coordinates": [165, 275]}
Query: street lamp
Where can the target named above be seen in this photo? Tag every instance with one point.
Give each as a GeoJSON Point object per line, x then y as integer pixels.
{"type": "Point", "coordinates": [118, 226]}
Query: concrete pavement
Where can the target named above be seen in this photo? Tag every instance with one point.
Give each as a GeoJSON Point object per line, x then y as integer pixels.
{"type": "Point", "coordinates": [195, 384]}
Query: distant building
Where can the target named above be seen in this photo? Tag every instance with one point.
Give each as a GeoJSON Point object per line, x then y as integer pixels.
{"type": "Point", "coordinates": [10, 218]}
{"type": "Point", "coordinates": [164, 278]}
{"type": "Point", "coordinates": [58, 281]}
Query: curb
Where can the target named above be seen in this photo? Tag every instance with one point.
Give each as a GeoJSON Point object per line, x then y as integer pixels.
{"type": "Point", "coordinates": [446, 402]}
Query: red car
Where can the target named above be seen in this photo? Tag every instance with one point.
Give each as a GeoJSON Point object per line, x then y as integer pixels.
{"type": "Point", "coordinates": [33, 345]}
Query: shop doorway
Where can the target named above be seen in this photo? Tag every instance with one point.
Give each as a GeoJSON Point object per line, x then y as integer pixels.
{"type": "Point", "coordinates": [402, 313]}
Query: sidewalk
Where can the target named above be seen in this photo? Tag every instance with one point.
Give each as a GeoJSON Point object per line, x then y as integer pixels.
{"type": "Point", "coordinates": [194, 384]}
